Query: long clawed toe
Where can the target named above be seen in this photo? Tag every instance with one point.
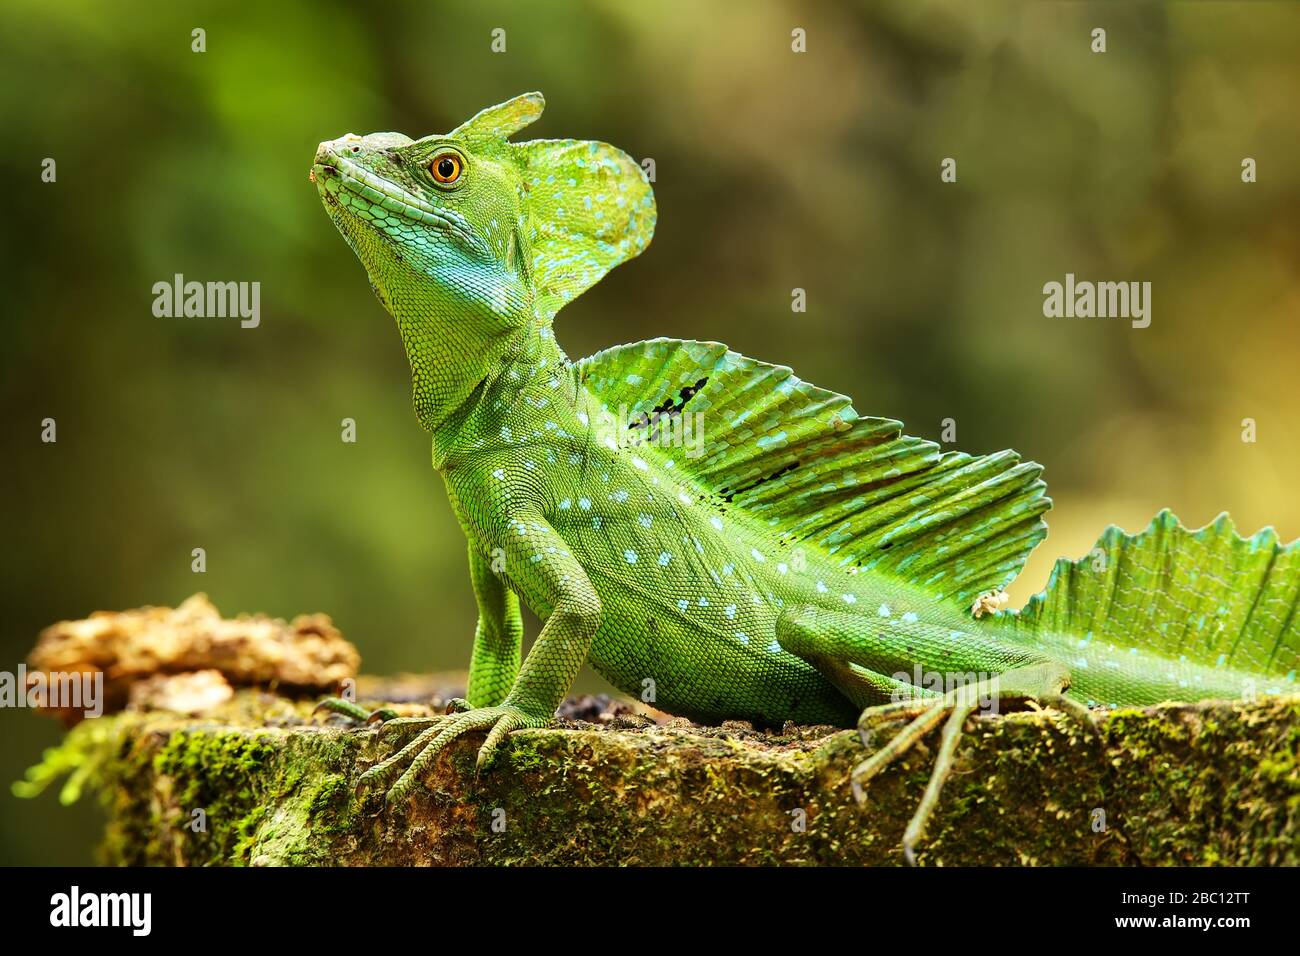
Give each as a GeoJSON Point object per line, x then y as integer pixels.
{"type": "Point", "coordinates": [926, 714]}
{"type": "Point", "coordinates": [353, 710]}
{"type": "Point", "coordinates": [346, 708]}
{"type": "Point", "coordinates": [397, 763]}
{"type": "Point", "coordinates": [1075, 710]}
{"type": "Point", "coordinates": [943, 763]}
{"type": "Point", "coordinates": [921, 724]}
{"type": "Point", "coordinates": [435, 734]}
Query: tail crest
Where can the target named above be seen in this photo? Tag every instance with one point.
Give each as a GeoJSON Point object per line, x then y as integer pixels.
{"type": "Point", "coordinates": [1206, 597]}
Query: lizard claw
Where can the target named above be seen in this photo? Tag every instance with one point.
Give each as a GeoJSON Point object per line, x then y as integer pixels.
{"type": "Point", "coordinates": [956, 706]}
{"type": "Point", "coordinates": [1043, 684]}
{"type": "Point", "coordinates": [353, 710]}
{"type": "Point", "coordinates": [409, 762]}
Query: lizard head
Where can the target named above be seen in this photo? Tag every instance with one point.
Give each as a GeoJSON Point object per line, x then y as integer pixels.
{"type": "Point", "coordinates": [503, 232]}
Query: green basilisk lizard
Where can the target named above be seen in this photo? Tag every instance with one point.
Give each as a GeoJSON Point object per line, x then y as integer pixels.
{"type": "Point", "coordinates": [800, 562]}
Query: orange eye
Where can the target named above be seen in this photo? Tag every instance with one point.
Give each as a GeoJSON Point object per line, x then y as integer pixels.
{"type": "Point", "coordinates": [445, 168]}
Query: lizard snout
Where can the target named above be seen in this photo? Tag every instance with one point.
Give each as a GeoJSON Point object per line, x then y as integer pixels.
{"type": "Point", "coordinates": [345, 145]}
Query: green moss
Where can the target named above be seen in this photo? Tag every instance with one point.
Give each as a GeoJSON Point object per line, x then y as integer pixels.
{"type": "Point", "coordinates": [79, 757]}
{"type": "Point", "coordinates": [1214, 784]}
{"type": "Point", "coordinates": [226, 774]}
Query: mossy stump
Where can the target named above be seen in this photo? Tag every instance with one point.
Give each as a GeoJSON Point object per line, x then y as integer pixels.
{"type": "Point", "coordinates": [1211, 783]}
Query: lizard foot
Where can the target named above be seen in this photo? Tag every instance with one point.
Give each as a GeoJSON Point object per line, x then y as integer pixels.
{"type": "Point", "coordinates": [337, 705]}
{"type": "Point", "coordinates": [409, 762]}
{"type": "Point", "coordinates": [1043, 684]}
{"type": "Point", "coordinates": [385, 715]}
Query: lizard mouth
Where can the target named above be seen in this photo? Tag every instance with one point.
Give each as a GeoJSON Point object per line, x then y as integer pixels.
{"type": "Point", "coordinates": [336, 175]}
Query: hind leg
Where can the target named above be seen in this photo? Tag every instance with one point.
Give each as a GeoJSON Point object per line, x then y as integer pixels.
{"type": "Point", "coordinates": [898, 669]}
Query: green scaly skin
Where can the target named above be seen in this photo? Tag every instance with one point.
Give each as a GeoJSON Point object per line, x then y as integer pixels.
{"type": "Point", "coordinates": [665, 576]}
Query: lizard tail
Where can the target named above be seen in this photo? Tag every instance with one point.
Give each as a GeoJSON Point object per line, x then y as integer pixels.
{"type": "Point", "coordinates": [1172, 614]}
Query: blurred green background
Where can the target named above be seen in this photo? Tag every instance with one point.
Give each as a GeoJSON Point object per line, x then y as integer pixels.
{"type": "Point", "coordinates": [775, 170]}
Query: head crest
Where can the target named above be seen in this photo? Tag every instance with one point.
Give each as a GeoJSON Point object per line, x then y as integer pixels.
{"type": "Point", "coordinates": [587, 206]}
{"type": "Point", "coordinates": [498, 123]}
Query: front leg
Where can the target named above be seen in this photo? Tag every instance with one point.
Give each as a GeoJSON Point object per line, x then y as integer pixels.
{"type": "Point", "coordinates": [538, 559]}
{"type": "Point", "coordinates": [494, 662]}
{"type": "Point", "coordinates": [499, 635]}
